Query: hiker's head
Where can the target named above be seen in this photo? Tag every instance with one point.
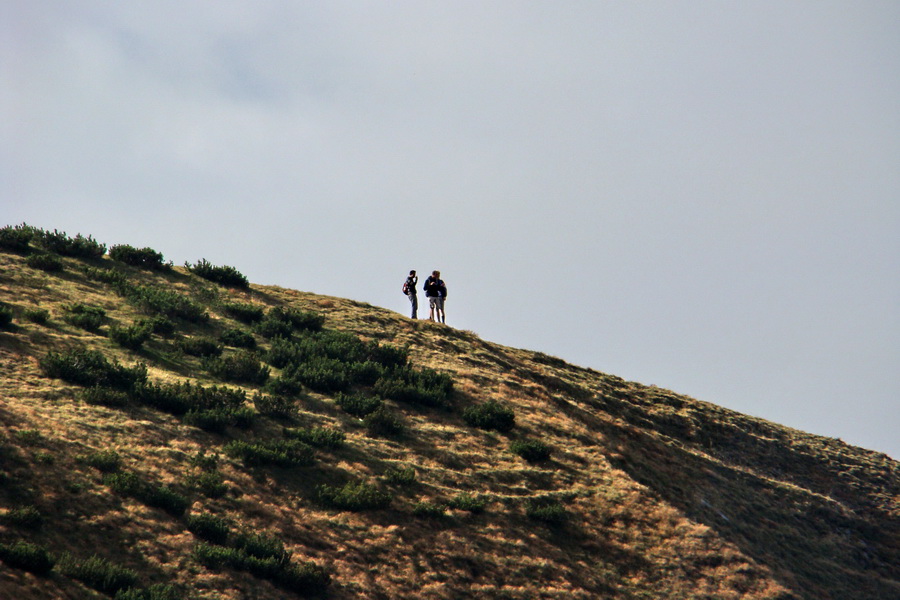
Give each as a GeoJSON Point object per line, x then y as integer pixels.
{"type": "Point", "coordinates": [436, 273]}
{"type": "Point", "coordinates": [412, 273]}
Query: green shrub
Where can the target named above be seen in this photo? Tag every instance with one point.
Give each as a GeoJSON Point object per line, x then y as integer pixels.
{"type": "Point", "coordinates": [241, 367]}
{"type": "Point", "coordinates": [211, 484]}
{"type": "Point", "coordinates": [200, 346]}
{"type": "Point", "coordinates": [204, 461]}
{"type": "Point", "coordinates": [244, 312]}
{"type": "Point", "coordinates": [531, 450]}
{"type": "Point", "coordinates": [159, 325]}
{"type": "Point", "coordinates": [283, 386]}
{"type": "Point", "coordinates": [143, 258]}
{"type": "Point", "coordinates": [60, 243]}
{"type": "Point", "coordinates": [424, 386]}
{"type": "Point", "coordinates": [106, 461]}
{"type": "Point", "coordinates": [469, 502]}
{"type": "Point", "coordinates": [354, 496]}
{"type": "Point", "coordinates": [89, 367]}
{"type": "Point", "coordinates": [431, 510]}
{"type": "Point", "coordinates": [103, 396]}
{"type": "Point", "coordinates": [158, 591]}
{"type": "Point", "coordinates": [216, 420]}
{"type": "Point", "coordinates": [27, 517]}
{"type": "Point", "coordinates": [27, 557]}
{"type": "Point", "coordinates": [181, 398]}
{"type": "Point", "coordinates": [306, 579]}
{"type": "Point", "coordinates": [6, 316]}
{"type": "Point", "coordinates": [16, 238]}
{"type": "Point", "coordinates": [546, 510]}
{"type": "Point", "coordinates": [37, 315]}
{"type": "Point", "coordinates": [271, 329]}
{"type": "Point", "coordinates": [223, 275]}
{"type": "Point", "coordinates": [28, 437]}
{"type": "Point", "coordinates": [383, 423]}
{"type": "Point", "coordinates": [322, 374]}
{"type": "Point", "coordinates": [90, 318]}
{"type": "Point", "coordinates": [359, 405]}
{"type": "Point", "coordinates": [282, 453]}
{"type": "Point", "coordinates": [98, 573]}
{"type": "Point", "coordinates": [45, 262]}
{"type": "Point", "coordinates": [105, 274]}
{"type": "Point", "coordinates": [404, 476]}
{"type": "Point", "coordinates": [210, 527]}
{"type": "Point", "coordinates": [131, 337]}
{"type": "Point", "coordinates": [131, 485]}
{"type": "Point", "coordinates": [278, 407]}
{"type": "Point", "coordinates": [238, 338]}
{"type": "Point", "coordinates": [490, 415]}
{"type": "Point", "coordinates": [320, 437]}
{"type": "Point", "coordinates": [300, 320]}
{"type": "Point", "coordinates": [262, 546]}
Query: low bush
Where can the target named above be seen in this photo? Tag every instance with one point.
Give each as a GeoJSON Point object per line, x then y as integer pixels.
{"type": "Point", "coordinates": [546, 510]}
{"type": "Point", "coordinates": [157, 591]}
{"type": "Point", "coordinates": [105, 274]}
{"type": "Point", "coordinates": [404, 476]}
{"type": "Point", "coordinates": [106, 461]}
{"type": "Point", "coordinates": [27, 557]}
{"type": "Point", "coordinates": [468, 502]}
{"type": "Point", "coordinates": [131, 485]}
{"type": "Point", "coordinates": [223, 275]}
{"type": "Point", "coordinates": [26, 517]}
{"type": "Point", "coordinates": [83, 316]}
{"type": "Point", "coordinates": [531, 450]}
{"type": "Point", "coordinates": [98, 573]}
{"type": "Point", "coordinates": [271, 329]}
{"type": "Point", "coordinates": [210, 483]}
{"type": "Point", "coordinates": [424, 386]}
{"type": "Point", "coordinates": [322, 374]}
{"type": "Point", "coordinates": [210, 527]}
{"type": "Point", "coordinates": [159, 325]}
{"type": "Point", "coordinates": [238, 338]}
{"type": "Point", "coordinates": [131, 337]}
{"type": "Point", "coordinates": [143, 258]}
{"type": "Point", "coordinates": [89, 367]}
{"type": "Point", "coordinates": [241, 367]}
{"type": "Point", "coordinates": [299, 320]}
{"type": "Point", "coordinates": [383, 423]}
{"type": "Point", "coordinates": [37, 315]}
{"type": "Point", "coordinates": [6, 316]}
{"type": "Point", "coordinates": [217, 420]}
{"type": "Point", "coordinates": [244, 312]}
{"type": "Point", "coordinates": [431, 510]}
{"type": "Point", "coordinates": [359, 405]}
{"type": "Point", "coordinates": [304, 579]}
{"type": "Point", "coordinates": [277, 407]}
{"type": "Point", "coordinates": [354, 496]}
{"type": "Point", "coordinates": [60, 243]}
{"type": "Point", "coordinates": [283, 386]}
{"type": "Point", "coordinates": [490, 415]}
{"type": "Point", "coordinates": [262, 546]}
{"type": "Point", "coordinates": [181, 398]}
{"type": "Point", "coordinates": [45, 262]}
{"type": "Point", "coordinates": [103, 396]}
{"type": "Point", "coordinates": [16, 238]}
{"type": "Point", "coordinates": [320, 437]}
{"type": "Point", "coordinates": [281, 453]}
{"type": "Point", "coordinates": [200, 346]}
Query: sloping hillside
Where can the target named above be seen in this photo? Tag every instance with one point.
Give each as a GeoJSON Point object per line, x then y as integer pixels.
{"type": "Point", "coordinates": [165, 436]}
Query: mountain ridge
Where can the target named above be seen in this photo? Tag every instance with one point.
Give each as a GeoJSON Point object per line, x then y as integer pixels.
{"type": "Point", "coordinates": [600, 487]}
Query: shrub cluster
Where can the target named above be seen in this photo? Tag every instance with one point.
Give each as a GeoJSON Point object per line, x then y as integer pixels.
{"type": "Point", "coordinates": [26, 517]}
{"type": "Point", "coordinates": [210, 483]}
{"type": "Point", "coordinates": [210, 527]}
{"type": "Point", "coordinates": [130, 484]}
{"type": "Point", "coordinates": [416, 386]}
{"type": "Point", "coordinates": [531, 450]}
{"type": "Point", "coordinates": [200, 346]}
{"type": "Point", "coordinates": [28, 557]}
{"type": "Point", "coordinates": [281, 453]}
{"type": "Point", "coordinates": [132, 336]}
{"type": "Point", "coordinates": [106, 461]}
{"type": "Point", "coordinates": [240, 367]}
{"type": "Point", "coordinates": [490, 415]}
{"type": "Point", "coordinates": [546, 510]}
{"type": "Point", "coordinates": [37, 315]}
{"type": "Point", "coordinates": [143, 258]}
{"type": "Point", "coordinates": [468, 502]}
{"type": "Point", "coordinates": [320, 437]}
{"type": "Point", "coordinates": [45, 262]}
{"type": "Point", "coordinates": [60, 243]}
{"type": "Point", "coordinates": [244, 312]}
{"type": "Point", "coordinates": [354, 496]}
{"type": "Point", "coordinates": [238, 338]}
{"type": "Point", "coordinates": [83, 316]}
{"type": "Point", "coordinates": [16, 238]}
{"type": "Point", "coordinates": [276, 406]}
{"type": "Point", "coordinates": [359, 405]}
{"type": "Point", "coordinates": [431, 510]}
{"type": "Point", "coordinates": [282, 322]}
{"type": "Point", "coordinates": [104, 396]}
{"type": "Point", "coordinates": [90, 368]}
{"type": "Point", "coordinates": [160, 301]}
{"type": "Point", "coordinates": [6, 315]}
{"type": "Point", "coordinates": [157, 591]}
{"type": "Point", "coordinates": [383, 423]}
{"type": "Point", "coordinates": [223, 275]}
{"type": "Point", "coordinates": [98, 573]}
{"type": "Point", "coordinates": [400, 476]}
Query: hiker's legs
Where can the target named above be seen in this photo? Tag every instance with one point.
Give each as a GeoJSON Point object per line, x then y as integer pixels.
{"type": "Point", "coordinates": [414, 300]}
{"type": "Point", "coordinates": [443, 317]}
{"type": "Point", "coordinates": [433, 307]}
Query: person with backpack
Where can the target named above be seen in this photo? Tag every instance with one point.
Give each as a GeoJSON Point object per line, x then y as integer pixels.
{"type": "Point", "coordinates": [436, 292]}
{"type": "Point", "coordinates": [409, 288]}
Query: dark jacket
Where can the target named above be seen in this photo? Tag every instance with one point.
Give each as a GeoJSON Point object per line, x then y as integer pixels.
{"type": "Point", "coordinates": [435, 288]}
{"type": "Point", "coordinates": [411, 285]}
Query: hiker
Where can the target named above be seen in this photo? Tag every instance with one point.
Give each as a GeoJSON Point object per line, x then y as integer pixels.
{"type": "Point", "coordinates": [409, 288]}
{"type": "Point", "coordinates": [436, 292]}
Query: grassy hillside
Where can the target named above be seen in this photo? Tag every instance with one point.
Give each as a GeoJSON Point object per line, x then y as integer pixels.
{"type": "Point", "coordinates": [168, 432]}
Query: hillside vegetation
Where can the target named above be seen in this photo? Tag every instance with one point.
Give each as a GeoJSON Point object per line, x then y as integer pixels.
{"type": "Point", "coordinates": [178, 432]}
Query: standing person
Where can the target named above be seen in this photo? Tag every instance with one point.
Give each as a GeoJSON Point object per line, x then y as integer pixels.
{"type": "Point", "coordinates": [436, 292]}
{"type": "Point", "coordinates": [409, 288]}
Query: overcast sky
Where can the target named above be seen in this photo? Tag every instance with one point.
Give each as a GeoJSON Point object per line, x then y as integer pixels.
{"type": "Point", "coordinates": [699, 195]}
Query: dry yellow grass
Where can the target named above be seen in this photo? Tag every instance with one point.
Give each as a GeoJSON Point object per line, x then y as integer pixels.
{"type": "Point", "coordinates": [665, 496]}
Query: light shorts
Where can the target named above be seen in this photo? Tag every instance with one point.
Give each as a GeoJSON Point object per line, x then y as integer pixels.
{"type": "Point", "coordinates": [436, 302]}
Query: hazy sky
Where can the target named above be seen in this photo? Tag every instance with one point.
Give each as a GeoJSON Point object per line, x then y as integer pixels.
{"type": "Point", "coordinates": [699, 195]}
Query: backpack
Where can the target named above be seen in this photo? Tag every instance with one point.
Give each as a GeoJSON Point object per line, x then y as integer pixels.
{"type": "Point", "coordinates": [406, 288]}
